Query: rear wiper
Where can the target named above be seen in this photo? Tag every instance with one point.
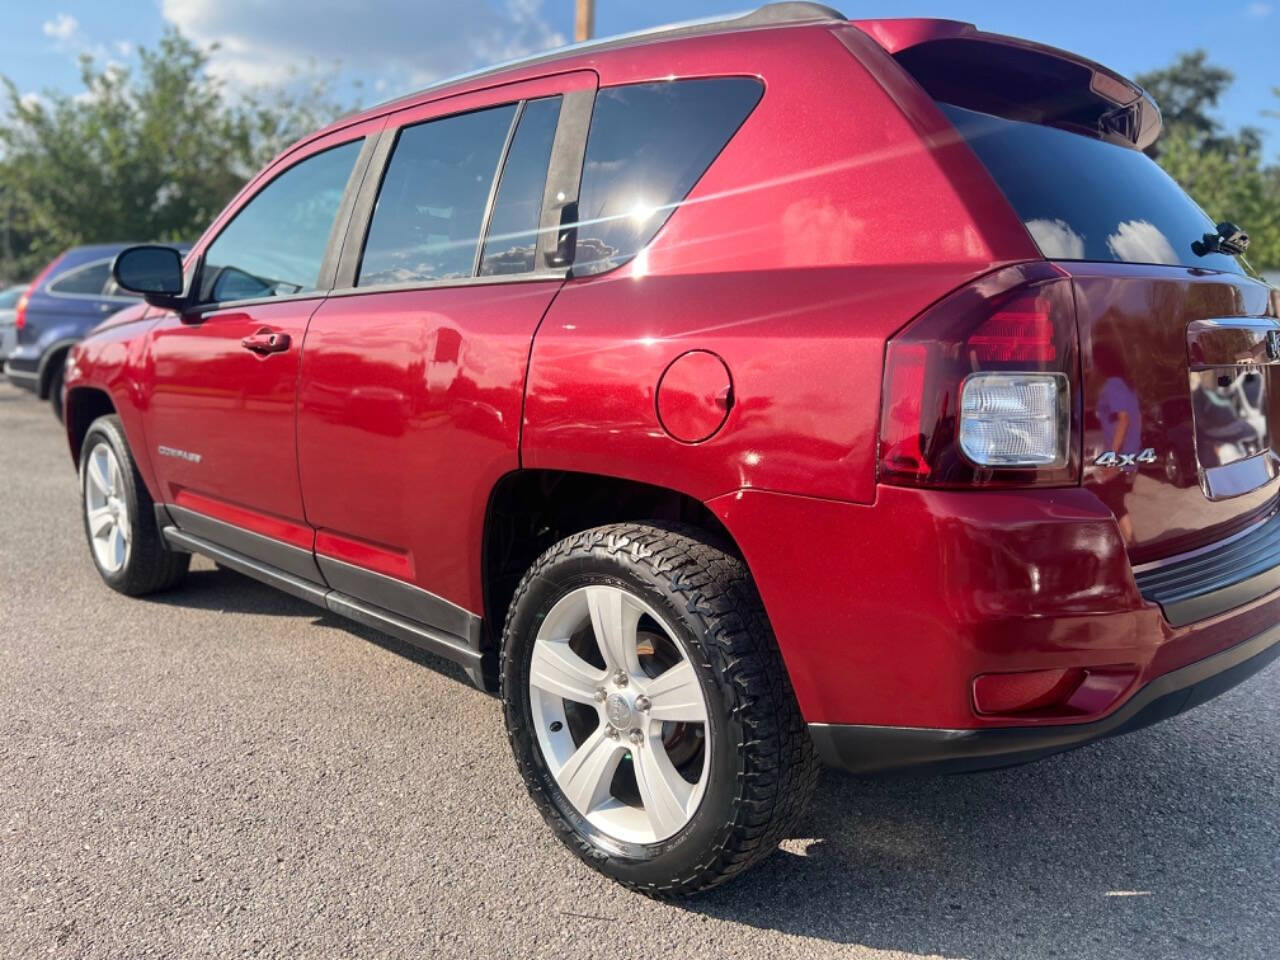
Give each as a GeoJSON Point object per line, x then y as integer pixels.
{"type": "Point", "coordinates": [1229, 239]}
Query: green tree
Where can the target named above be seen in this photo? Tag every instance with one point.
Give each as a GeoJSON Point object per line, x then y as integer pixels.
{"type": "Point", "coordinates": [1224, 171]}
{"type": "Point", "coordinates": [147, 154]}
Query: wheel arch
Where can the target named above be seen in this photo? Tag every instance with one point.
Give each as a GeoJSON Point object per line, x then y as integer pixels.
{"type": "Point", "coordinates": [55, 353]}
{"type": "Point", "coordinates": [530, 510]}
{"type": "Point", "coordinates": [84, 405]}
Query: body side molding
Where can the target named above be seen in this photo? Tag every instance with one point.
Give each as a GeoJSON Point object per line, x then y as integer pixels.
{"type": "Point", "coordinates": [460, 648]}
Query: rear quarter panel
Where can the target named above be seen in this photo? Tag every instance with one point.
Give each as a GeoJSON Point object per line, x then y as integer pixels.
{"type": "Point", "coordinates": [831, 218]}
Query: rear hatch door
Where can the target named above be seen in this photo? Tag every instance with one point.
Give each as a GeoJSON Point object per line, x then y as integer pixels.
{"type": "Point", "coordinates": [1180, 351]}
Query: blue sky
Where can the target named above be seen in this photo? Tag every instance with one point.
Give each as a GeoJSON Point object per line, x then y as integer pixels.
{"type": "Point", "coordinates": [387, 47]}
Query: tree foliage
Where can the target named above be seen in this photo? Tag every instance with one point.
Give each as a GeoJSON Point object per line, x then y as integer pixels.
{"type": "Point", "coordinates": [1225, 171]}
{"type": "Point", "coordinates": [155, 152]}
{"type": "Point", "coordinates": [152, 153]}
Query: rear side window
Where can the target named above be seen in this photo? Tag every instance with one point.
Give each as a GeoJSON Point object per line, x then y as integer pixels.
{"type": "Point", "coordinates": [1083, 199]}
{"type": "Point", "coordinates": [648, 145]}
{"type": "Point", "coordinates": [430, 209]}
{"type": "Point", "coordinates": [275, 245]}
{"type": "Point", "coordinates": [84, 281]}
{"type": "Point", "coordinates": [512, 237]}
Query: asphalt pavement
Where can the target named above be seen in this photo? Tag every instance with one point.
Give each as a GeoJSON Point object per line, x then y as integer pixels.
{"type": "Point", "coordinates": [224, 771]}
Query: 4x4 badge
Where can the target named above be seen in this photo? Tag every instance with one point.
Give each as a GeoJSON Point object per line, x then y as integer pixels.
{"type": "Point", "coordinates": [1112, 459]}
{"type": "Point", "coordinates": [1273, 345]}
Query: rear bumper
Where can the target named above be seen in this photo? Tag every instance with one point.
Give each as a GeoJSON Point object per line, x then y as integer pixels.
{"type": "Point", "coordinates": [872, 749]}
{"type": "Point", "coordinates": [18, 374]}
{"type": "Point", "coordinates": [888, 615]}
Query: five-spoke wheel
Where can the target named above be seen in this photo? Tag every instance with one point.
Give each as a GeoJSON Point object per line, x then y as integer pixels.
{"type": "Point", "coordinates": [648, 708]}
{"type": "Point", "coordinates": [119, 516]}
{"type": "Point", "coordinates": [106, 512]}
{"type": "Point", "coordinates": [619, 714]}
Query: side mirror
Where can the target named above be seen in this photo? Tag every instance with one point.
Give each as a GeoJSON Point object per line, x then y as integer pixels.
{"type": "Point", "coordinates": [153, 271]}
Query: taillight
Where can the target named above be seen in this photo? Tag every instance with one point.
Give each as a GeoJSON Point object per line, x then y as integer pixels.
{"type": "Point", "coordinates": [20, 308]}
{"type": "Point", "coordinates": [983, 388]}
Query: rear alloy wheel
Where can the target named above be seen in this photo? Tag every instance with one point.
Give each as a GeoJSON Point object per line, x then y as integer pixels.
{"type": "Point", "coordinates": [119, 516]}
{"type": "Point", "coordinates": [649, 710]}
{"type": "Point", "coordinates": [619, 715]}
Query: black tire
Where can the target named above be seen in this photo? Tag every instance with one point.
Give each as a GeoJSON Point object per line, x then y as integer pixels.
{"type": "Point", "coordinates": [762, 763]}
{"type": "Point", "coordinates": [150, 566]}
{"type": "Point", "coordinates": [55, 386]}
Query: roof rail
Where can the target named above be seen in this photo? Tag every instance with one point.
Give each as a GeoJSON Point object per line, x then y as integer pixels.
{"type": "Point", "coordinates": [771, 14]}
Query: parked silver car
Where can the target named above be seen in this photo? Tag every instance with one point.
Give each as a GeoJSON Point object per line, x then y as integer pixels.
{"type": "Point", "coordinates": [8, 318]}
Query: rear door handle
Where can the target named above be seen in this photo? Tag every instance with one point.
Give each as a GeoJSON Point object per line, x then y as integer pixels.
{"type": "Point", "coordinates": [266, 341]}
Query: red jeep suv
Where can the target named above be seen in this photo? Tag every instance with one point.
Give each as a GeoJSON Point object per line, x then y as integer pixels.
{"type": "Point", "coordinates": [728, 397]}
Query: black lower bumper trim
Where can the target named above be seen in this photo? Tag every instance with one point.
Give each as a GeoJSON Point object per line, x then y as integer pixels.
{"type": "Point", "coordinates": [872, 749]}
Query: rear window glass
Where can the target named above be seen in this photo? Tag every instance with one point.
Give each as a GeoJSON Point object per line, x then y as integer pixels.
{"type": "Point", "coordinates": [1083, 199]}
{"type": "Point", "coordinates": [648, 145]}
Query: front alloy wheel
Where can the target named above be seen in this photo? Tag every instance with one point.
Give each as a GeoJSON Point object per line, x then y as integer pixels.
{"type": "Point", "coordinates": [106, 512]}
{"type": "Point", "coordinates": [119, 516]}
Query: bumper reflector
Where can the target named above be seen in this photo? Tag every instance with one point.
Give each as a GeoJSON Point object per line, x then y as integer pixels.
{"type": "Point", "coordinates": [1067, 692]}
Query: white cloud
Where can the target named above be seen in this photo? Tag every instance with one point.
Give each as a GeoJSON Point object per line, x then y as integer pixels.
{"type": "Point", "coordinates": [1056, 239]}
{"type": "Point", "coordinates": [69, 38]}
{"type": "Point", "coordinates": [62, 27]}
{"type": "Point", "coordinates": [1260, 10]}
{"type": "Point", "coordinates": [408, 43]}
{"type": "Point", "coordinates": [1140, 241]}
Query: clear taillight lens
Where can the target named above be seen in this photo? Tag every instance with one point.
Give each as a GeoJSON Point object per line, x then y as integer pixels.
{"type": "Point", "coordinates": [1015, 419]}
{"type": "Point", "coordinates": [979, 390]}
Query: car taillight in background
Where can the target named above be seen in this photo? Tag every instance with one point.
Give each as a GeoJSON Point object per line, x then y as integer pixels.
{"type": "Point", "coordinates": [983, 388]}
{"type": "Point", "coordinates": [20, 308]}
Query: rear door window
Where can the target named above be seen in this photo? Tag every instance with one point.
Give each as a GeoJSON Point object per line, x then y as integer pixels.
{"type": "Point", "coordinates": [512, 237]}
{"type": "Point", "coordinates": [275, 246]}
{"type": "Point", "coordinates": [1084, 199]}
{"type": "Point", "coordinates": [86, 281]}
{"type": "Point", "coordinates": [431, 205]}
{"type": "Point", "coordinates": [649, 143]}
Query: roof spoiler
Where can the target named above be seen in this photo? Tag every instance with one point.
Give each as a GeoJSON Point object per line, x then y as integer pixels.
{"type": "Point", "coordinates": [1009, 77]}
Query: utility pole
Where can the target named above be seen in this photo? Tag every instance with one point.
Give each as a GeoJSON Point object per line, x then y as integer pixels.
{"type": "Point", "coordinates": [584, 24]}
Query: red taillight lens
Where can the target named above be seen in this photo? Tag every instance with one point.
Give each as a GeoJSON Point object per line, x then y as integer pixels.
{"type": "Point", "coordinates": [20, 308]}
{"type": "Point", "coordinates": [900, 434]}
{"type": "Point", "coordinates": [1018, 333]}
{"type": "Point", "coordinates": [1020, 420]}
